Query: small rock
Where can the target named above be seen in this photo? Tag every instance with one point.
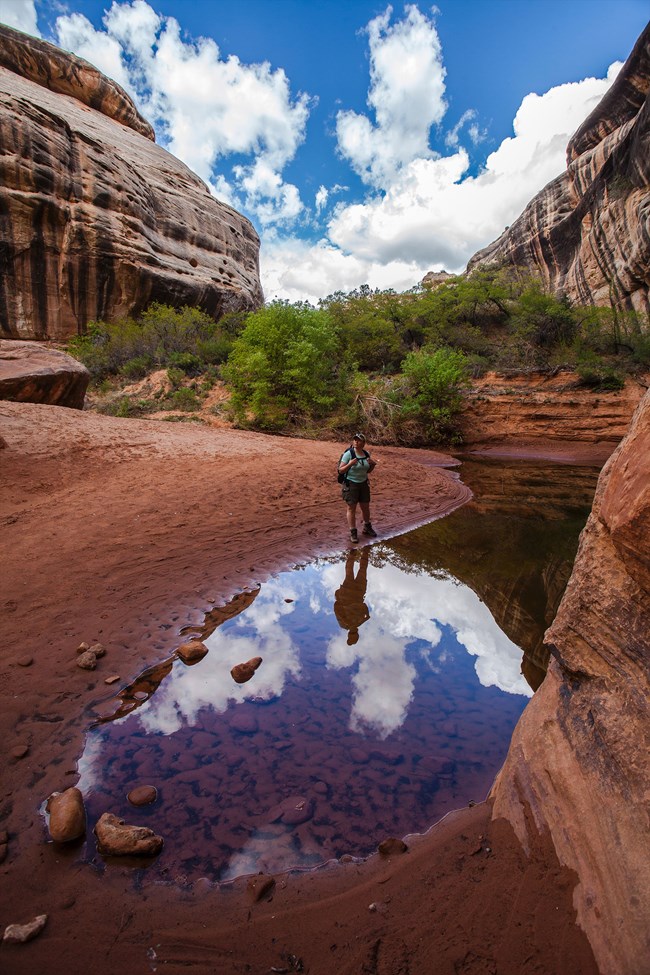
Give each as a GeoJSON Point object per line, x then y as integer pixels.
{"type": "Point", "coordinates": [392, 847]}
{"type": "Point", "coordinates": [83, 647]}
{"type": "Point", "coordinates": [98, 649]}
{"type": "Point", "coordinates": [67, 815]}
{"type": "Point", "coordinates": [142, 795]}
{"type": "Point", "coordinates": [288, 600]}
{"type": "Point", "coordinates": [243, 672]}
{"type": "Point", "coordinates": [116, 838]}
{"type": "Point", "coordinates": [113, 679]}
{"type": "Point", "coordinates": [87, 660]}
{"type": "Point", "coordinates": [297, 811]}
{"type": "Point", "coordinates": [25, 661]}
{"type": "Point", "coordinates": [260, 886]}
{"type": "Point", "coordinates": [19, 751]}
{"type": "Point", "coordinates": [192, 651]}
{"type": "Point", "coordinates": [18, 934]}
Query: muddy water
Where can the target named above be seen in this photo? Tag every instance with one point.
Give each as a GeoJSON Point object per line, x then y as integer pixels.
{"type": "Point", "coordinates": [390, 683]}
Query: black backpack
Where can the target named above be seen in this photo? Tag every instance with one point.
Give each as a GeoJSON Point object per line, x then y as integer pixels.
{"type": "Point", "coordinates": [341, 477]}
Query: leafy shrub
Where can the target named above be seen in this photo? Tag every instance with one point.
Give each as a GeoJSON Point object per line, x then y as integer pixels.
{"type": "Point", "coordinates": [431, 390]}
{"type": "Point", "coordinates": [597, 375]}
{"type": "Point", "coordinates": [285, 365]}
{"type": "Point", "coordinates": [136, 368]}
{"type": "Point", "coordinates": [188, 362]}
{"type": "Point", "coordinates": [185, 400]}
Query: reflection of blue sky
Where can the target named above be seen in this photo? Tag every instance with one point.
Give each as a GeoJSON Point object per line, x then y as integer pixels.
{"type": "Point", "coordinates": [405, 608]}
{"type": "Point", "coordinates": [408, 613]}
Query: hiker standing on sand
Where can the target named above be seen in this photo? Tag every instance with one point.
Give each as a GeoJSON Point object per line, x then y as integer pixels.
{"type": "Point", "coordinates": [355, 465]}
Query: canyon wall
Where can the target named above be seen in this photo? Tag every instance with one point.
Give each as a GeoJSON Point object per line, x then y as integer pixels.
{"type": "Point", "coordinates": [538, 408]}
{"type": "Point", "coordinates": [587, 233]}
{"type": "Point", "coordinates": [96, 220]}
{"type": "Point", "coordinates": [578, 767]}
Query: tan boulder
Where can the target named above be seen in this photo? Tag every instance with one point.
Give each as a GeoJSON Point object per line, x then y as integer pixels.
{"type": "Point", "coordinates": [192, 651]}
{"type": "Point", "coordinates": [116, 838]}
{"type": "Point", "coordinates": [33, 373]}
{"type": "Point", "coordinates": [67, 815]}
{"type": "Point", "coordinates": [19, 934]}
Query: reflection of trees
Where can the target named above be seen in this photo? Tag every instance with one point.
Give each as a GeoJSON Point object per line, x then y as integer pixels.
{"type": "Point", "coordinates": [514, 545]}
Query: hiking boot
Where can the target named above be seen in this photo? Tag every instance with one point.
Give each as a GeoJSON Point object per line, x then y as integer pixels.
{"type": "Point", "coordinates": [353, 535]}
{"type": "Point", "coordinates": [369, 530]}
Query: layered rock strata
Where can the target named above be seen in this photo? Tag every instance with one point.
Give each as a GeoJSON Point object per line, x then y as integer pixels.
{"type": "Point", "coordinates": [33, 373]}
{"type": "Point", "coordinates": [587, 233]}
{"type": "Point", "coordinates": [96, 220]}
{"type": "Point", "coordinates": [578, 766]}
{"type": "Point", "coordinates": [527, 408]}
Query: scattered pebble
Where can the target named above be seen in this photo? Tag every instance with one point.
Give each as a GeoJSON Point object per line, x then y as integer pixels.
{"type": "Point", "coordinates": [142, 795]}
{"type": "Point", "coordinates": [83, 647]}
{"type": "Point", "coordinates": [87, 660]}
{"type": "Point", "coordinates": [392, 847]}
{"type": "Point", "coordinates": [98, 649]}
{"type": "Point", "coordinates": [67, 815]}
{"type": "Point", "coordinates": [19, 751]}
{"type": "Point", "coordinates": [25, 661]}
{"type": "Point", "coordinates": [241, 673]}
{"type": "Point", "coordinates": [113, 679]}
{"type": "Point", "coordinates": [192, 651]}
{"type": "Point", "coordinates": [18, 934]}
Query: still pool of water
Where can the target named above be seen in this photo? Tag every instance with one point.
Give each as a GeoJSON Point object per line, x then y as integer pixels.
{"type": "Point", "coordinates": [386, 696]}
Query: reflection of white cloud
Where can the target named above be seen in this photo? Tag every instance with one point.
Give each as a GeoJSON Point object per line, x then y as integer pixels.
{"type": "Point", "coordinates": [209, 684]}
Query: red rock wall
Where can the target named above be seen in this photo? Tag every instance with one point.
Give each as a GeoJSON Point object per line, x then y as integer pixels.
{"type": "Point", "coordinates": [578, 767]}
{"type": "Point", "coordinates": [520, 409]}
{"type": "Point", "coordinates": [587, 234]}
{"type": "Point", "coordinates": [96, 220]}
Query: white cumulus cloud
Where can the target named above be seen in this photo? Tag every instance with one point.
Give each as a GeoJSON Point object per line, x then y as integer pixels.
{"type": "Point", "coordinates": [206, 106]}
{"type": "Point", "coordinates": [20, 14]}
{"type": "Point", "coordinates": [406, 96]}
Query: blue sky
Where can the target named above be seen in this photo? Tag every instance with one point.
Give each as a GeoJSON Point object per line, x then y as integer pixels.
{"type": "Point", "coordinates": [368, 143]}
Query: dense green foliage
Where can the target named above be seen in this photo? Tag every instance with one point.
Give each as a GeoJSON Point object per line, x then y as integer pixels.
{"type": "Point", "coordinates": [285, 366]}
{"type": "Point", "coordinates": [393, 363]}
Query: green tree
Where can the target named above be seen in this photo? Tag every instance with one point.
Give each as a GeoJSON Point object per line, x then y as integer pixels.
{"type": "Point", "coordinates": [286, 364]}
{"type": "Point", "coordinates": [430, 391]}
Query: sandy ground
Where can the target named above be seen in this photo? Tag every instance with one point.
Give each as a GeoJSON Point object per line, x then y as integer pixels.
{"type": "Point", "coordinates": [124, 531]}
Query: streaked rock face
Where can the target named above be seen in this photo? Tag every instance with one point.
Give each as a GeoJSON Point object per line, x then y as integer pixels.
{"type": "Point", "coordinates": [579, 763]}
{"type": "Point", "coordinates": [96, 220]}
{"type": "Point", "coordinates": [587, 233]}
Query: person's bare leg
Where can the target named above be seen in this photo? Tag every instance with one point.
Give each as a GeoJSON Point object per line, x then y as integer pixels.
{"type": "Point", "coordinates": [365, 511]}
{"type": "Point", "coordinates": [352, 516]}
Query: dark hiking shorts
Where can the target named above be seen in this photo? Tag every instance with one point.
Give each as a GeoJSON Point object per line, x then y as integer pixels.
{"type": "Point", "coordinates": [353, 493]}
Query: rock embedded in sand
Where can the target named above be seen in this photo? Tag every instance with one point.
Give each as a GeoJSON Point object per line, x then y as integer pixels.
{"type": "Point", "coordinates": [83, 646]}
{"type": "Point", "coordinates": [142, 795]}
{"type": "Point", "coordinates": [113, 679]}
{"type": "Point", "coordinates": [18, 934]}
{"type": "Point", "coordinates": [392, 847]}
{"type": "Point", "coordinates": [241, 673]}
{"type": "Point", "coordinates": [191, 652]}
{"type": "Point", "coordinates": [260, 886]}
{"type": "Point", "coordinates": [87, 660]}
{"type": "Point", "coordinates": [117, 838]}
{"type": "Point", "coordinates": [25, 661]}
{"type": "Point", "coordinates": [67, 815]}
{"type": "Point", "coordinates": [20, 751]}
{"type": "Point", "coordinates": [98, 649]}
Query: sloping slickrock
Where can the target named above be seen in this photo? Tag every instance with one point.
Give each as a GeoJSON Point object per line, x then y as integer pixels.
{"type": "Point", "coordinates": [96, 220]}
{"type": "Point", "coordinates": [34, 373]}
{"type": "Point", "coordinates": [578, 767]}
{"type": "Point", "coordinates": [587, 233]}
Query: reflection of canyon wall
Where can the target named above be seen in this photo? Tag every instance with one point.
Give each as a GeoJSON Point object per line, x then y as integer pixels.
{"type": "Point", "coordinates": [578, 766]}
{"type": "Point", "coordinates": [96, 220]}
{"type": "Point", "coordinates": [519, 559]}
{"type": "Point", "coordinates": [587, 233]}
{"type": "Point", "coordinates": [539, 407]}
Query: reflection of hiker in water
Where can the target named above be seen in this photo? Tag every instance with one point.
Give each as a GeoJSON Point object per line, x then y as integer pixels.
{"type": "Point", "coordinates": [349, 607]}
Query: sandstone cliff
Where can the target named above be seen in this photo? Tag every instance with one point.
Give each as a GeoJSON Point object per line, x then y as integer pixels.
{"type": "Point", "coordinates": [540, 408]}
{"type": "Point", "coordinates": [578, 767]}
{"type": "Point", "coordinates": [587, 234]}
{"type": "Point", "coordinates": [96, 220]}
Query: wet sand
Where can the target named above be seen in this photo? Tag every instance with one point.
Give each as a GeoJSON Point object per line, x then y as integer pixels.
{"type": "Point", "coordinates": [125, 531]}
